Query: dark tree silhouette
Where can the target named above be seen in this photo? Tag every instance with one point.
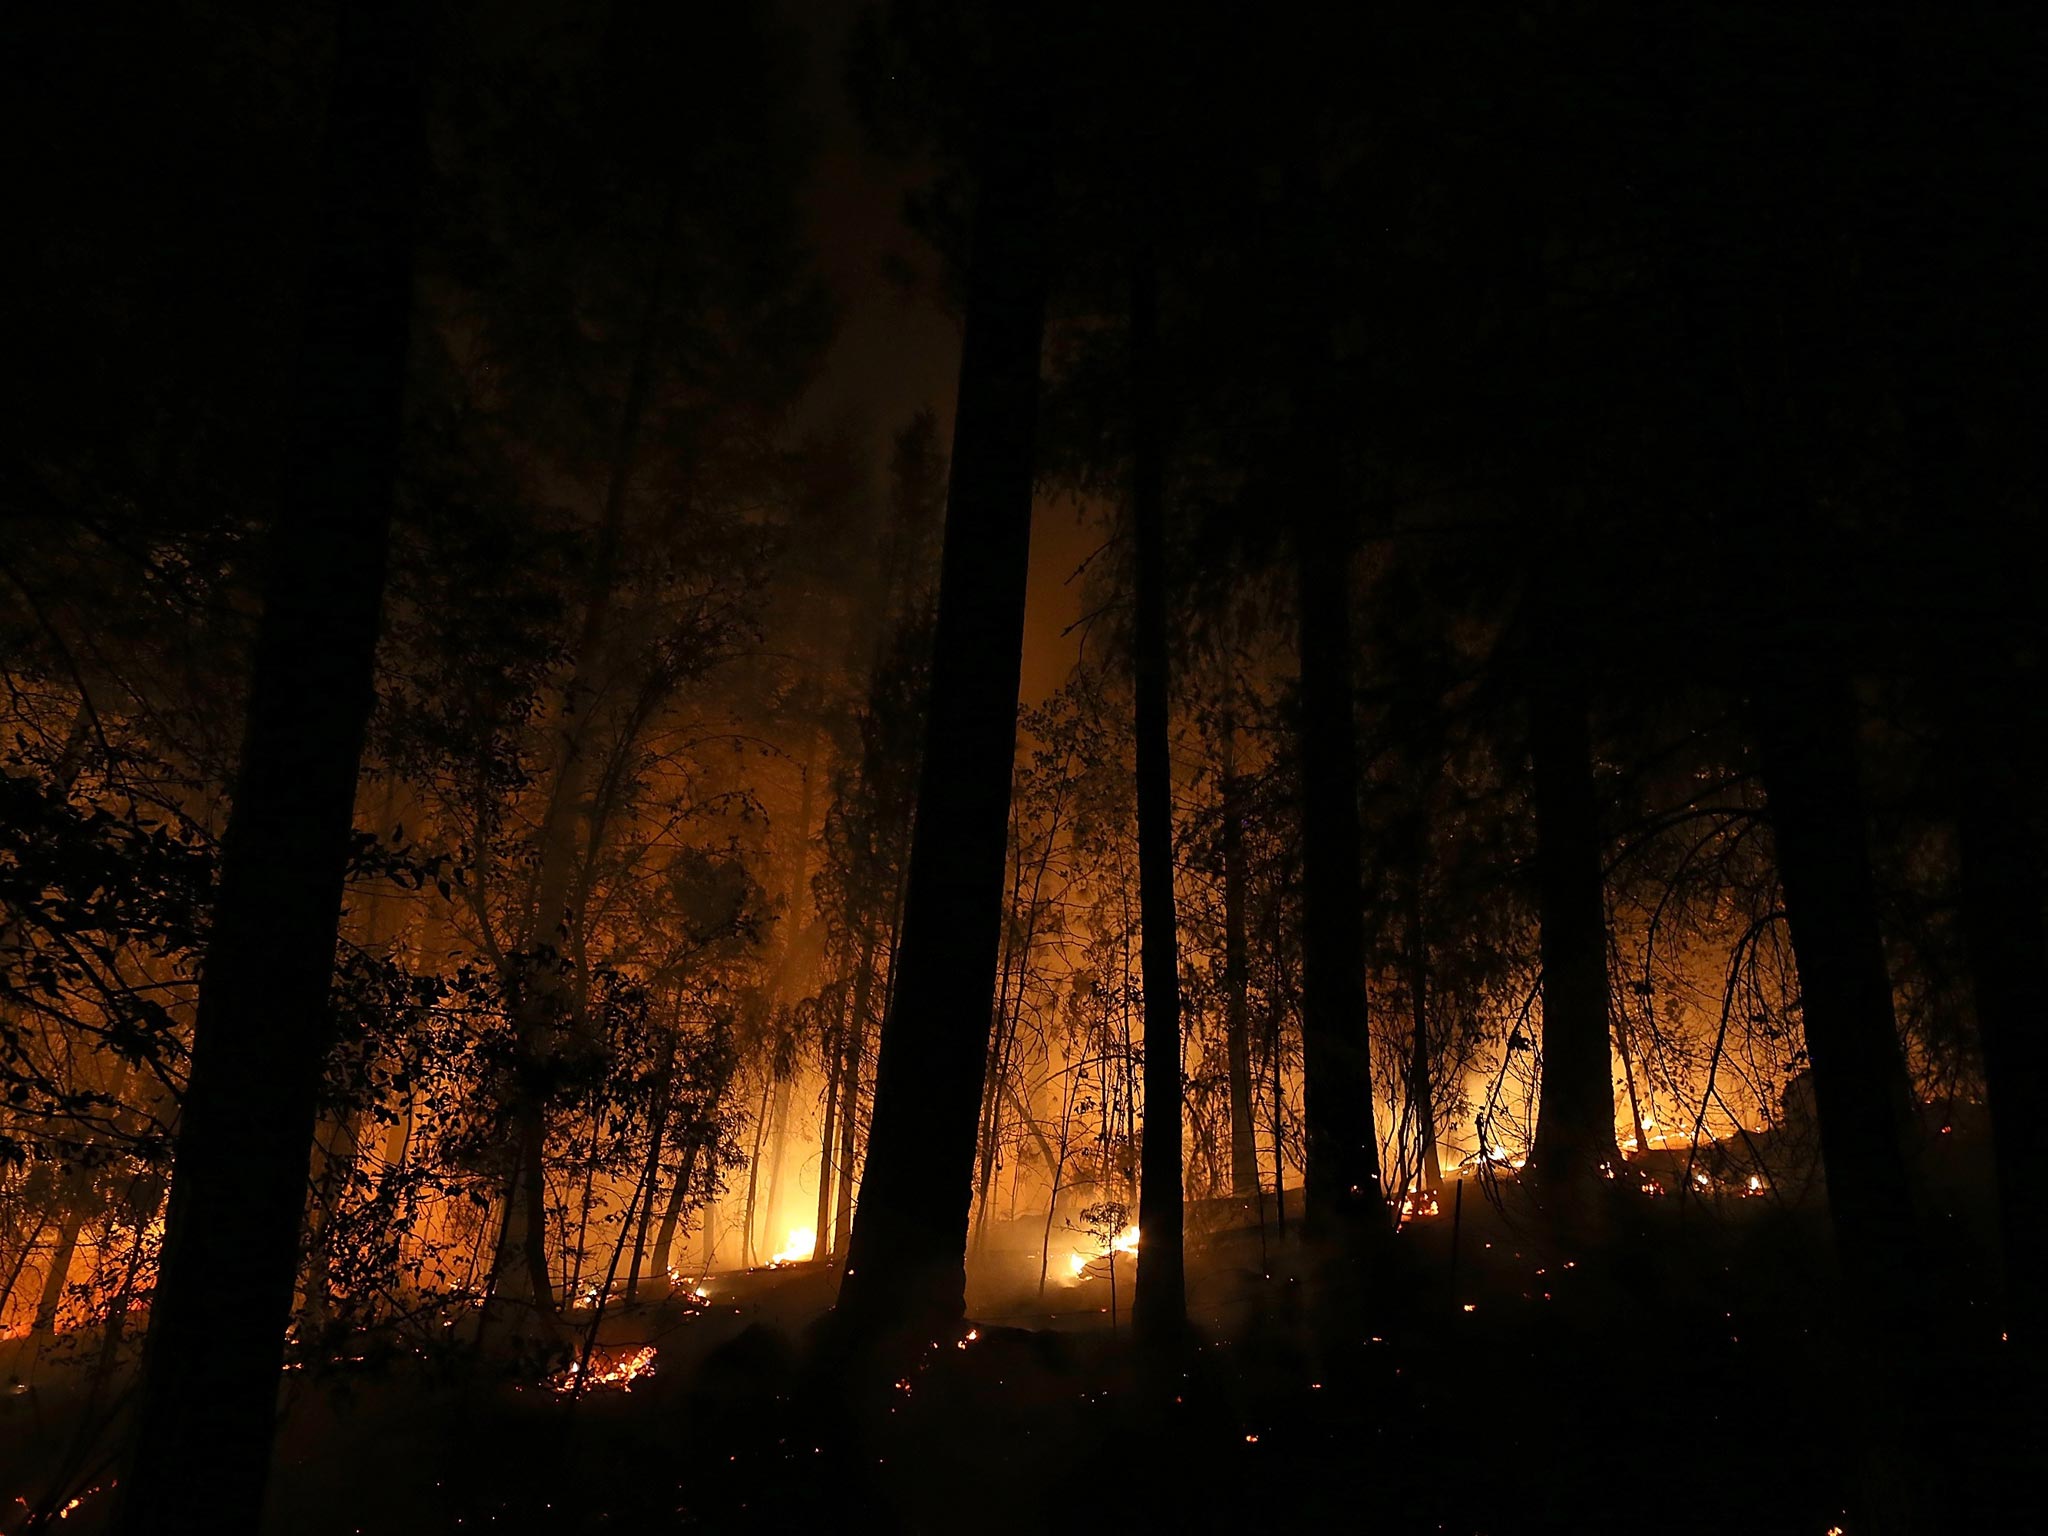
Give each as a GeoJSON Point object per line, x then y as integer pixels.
{"type": "Point", "coordinates": [1244, 1153]}
{"type": "Point", "coordinates": [905, 1258]}
{"type": "Point", "coordinates": [1575, 1117]}
{"type": "Point", "coordinates": [1806, 729]}
{"type": "Point", "coordinates": [1342, 1172]}
{"type": "Point", "coordinates": [1159, 1311]}
{"type": "Point", "coordinates": [216, 1338]}
{"type": "Point", "coordinates": [2000, 889]}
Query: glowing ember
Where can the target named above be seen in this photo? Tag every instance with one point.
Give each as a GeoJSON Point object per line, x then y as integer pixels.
{"type": "Point", "coordinates": [72, 1507]}
{"type": "Point", "coordinates": [619, 1371]}
{"type": "Point", "coordinates": [801, 1248]}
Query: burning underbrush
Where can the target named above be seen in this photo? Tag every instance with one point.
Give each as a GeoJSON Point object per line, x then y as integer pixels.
{"type": "Point", "coordinates": [618, 1367]}
{"type": "Point", "coordinates": [700, 1395]}
{"type": "Point", "coordinates": [713, 1412]}
{"type": "Point", "coordinates": [1097, 1259]}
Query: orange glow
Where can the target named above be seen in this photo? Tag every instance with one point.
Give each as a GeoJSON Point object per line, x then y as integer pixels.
{"type": "Point", "coordinates": [1092, 1263]}
{"type": "Point", "coordinates": [618, 1370]}
{"type": "Point", "coordinates": [1417, 1204]}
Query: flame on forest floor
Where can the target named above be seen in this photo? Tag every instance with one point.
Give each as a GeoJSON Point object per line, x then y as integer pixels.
{"type": "Point", "coordinates": [619, 1370]}
{"type": "Point", "coordinates": [690, 1290]}
{"type": "Point", "coordinates": [72, 1505]}
{"type": "Point", "coordinates": [1093, 1261]}
{"type": "Point", "coordinates": [1419, 1203]}
{"type": "Point", "coordinates": [1752, 1188]}
{"type": "Point", "coordinates": [801, 1248]}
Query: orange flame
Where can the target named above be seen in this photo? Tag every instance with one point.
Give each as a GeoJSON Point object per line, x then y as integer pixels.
{"type": "Point", "coordinates": [619, 1371]}
{"type": "Point", "coordinates": [1094, 1263]}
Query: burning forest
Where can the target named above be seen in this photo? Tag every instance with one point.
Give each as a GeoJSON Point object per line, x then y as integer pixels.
{"type": "Point", "coordinates": [968, 768]}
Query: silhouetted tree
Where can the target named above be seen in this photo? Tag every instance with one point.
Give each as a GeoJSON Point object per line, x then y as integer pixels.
{"type": "Point", "coordinates": [1159, 1308]}
{"type": "Point", "coordinates": [203, 1423]}
{"type": "Point", "coordinates": [904, 1266]}
{"type": "Point", "coordinates": [1812, 778]}
{"type": "Point", "coordinates": [1575, 1120]}
{"type": "Point", "coordinates": [1244, 1157]}
{"type": "Point", "coordinates": [1342, 1173]}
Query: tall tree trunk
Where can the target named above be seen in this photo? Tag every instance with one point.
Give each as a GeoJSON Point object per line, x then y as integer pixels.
{"type": "Point", "coordinates": [906, 1269]}
{"type": "Point", "coordinates": [1806, 730]}
{"type": "Point", "coordinates": [650, 1175]}
{"type": "Point", "coordinates": [999, 1088]}
{"type": "Point", "coordinates": [2008, 953]}
{"type": "Point", "coordinates": [829, 1240]}
{"type": "Point", "coordinates": [1342, 1173]}
{"type": "Point", "coordinates": [575, 1253]}
{"type": "Point", "coordinates": [748, 1251]}
{"type": "Point", "coordinates": [1010, 1011]}
{"type": "Point", "coordinates": [991, 1129]}
{"type": "Point", "coordinates": [799, 901]}
{"type": "Point", "coordinates": [1628, 1078]}
{"type": "Point", "coordinates": [778, 1142]}
{"type": "Point", "coordinates": [1244, 1151]}
{"type": "Point", "coordinates": [336, 1144]}
{"type": "Point", "coordinates": [1421, 1089]}
{"type": "Point", "coordinates": [672, 1215]}
{"type": "Point", "coordinates": [1803, 713]}
{"type": "Point", "coordinates": [1575, 1113]}
{"type": "Point", "coordinates": [1275, 1007]}
{"type": "Point", "coordinates": [520, 1266]}
{"type": "Point", "coordinates": [203, 1416]}
{"type": "Point", "coordinates": [1159, 1306]}
{"type": "Point", "coordinates": [991, 1094]}
{"type": "Point", "coordinates": [849, 1127]}
{"type": "Point", "coordinates": [854, 1046]}
{"type": "Point", "coordinates": [710, 1203]}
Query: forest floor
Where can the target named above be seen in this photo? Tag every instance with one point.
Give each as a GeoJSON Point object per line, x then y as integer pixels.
{"type": "Point", "coordinates": [1670, 1371]}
